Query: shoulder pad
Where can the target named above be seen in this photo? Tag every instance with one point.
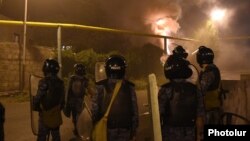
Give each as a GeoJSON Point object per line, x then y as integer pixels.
{"type": "Point", "coordinates": [211, 67]}
{"type": "Point", "coordinates": [166, 84]}
{"type": "Point", "coordinates": [191, 84]}
{"type": "Point", "coordinates": [43, 85]}
{"type": "Point", "coordinates": [130, 83]}
{"type": "Point", "coordinates": [72, 76]}
{"type": "Point", "coordinates": [102, 82]}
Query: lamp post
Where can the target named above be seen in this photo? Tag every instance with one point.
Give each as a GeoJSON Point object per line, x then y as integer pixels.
{"type": "Point", "coordinates": [24, 46]}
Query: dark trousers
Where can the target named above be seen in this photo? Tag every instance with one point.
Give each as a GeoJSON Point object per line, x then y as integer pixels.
{"type": "Point", "coordinates": [213, 116]}
{"type": "Point", "coordinates": [1, 132]}
{"type": "Point", "coordinates": [119, 134]}
{"type": "Point", "coordinates": [76, 111]}
{"type": "Point", "coordinates": [178, 134]}
{"type": "Point", "coordinates": [44, 132]}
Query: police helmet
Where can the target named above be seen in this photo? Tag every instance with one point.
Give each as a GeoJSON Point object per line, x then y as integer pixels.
{"type": "Point", "coordinates": [180, 52]}
{"type": "Point", "coordinates": [115, 66]}
{"type": "Point", "coordinates": [177, 68]}
{"type": "Point", "coordinates": [204, 55]}
{"type": "Point", "coordinates": [50, 66]}
{"type": "Point", "coordinates": [79, 69]}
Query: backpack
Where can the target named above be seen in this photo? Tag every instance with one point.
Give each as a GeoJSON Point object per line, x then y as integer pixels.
{"type": "Point", "coordinates": [182, 106]}
{"type": "Point", "coordinates": [52, 118]}
{"type": "Point", "coordinates": [78, 86]}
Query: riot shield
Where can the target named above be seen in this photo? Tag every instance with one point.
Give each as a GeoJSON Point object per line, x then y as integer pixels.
{"type": "Point", "coordinates": [84, 123]}
{"type": "Point", "coordinates": [33, 83]}
{"type": "Point", "coordinates": [100, 71]}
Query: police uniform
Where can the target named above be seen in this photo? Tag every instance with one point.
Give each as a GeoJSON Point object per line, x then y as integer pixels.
{"type": "Point", "coordinates": [209, 80]}
{"type": "Point", "coordinates": [123, 116]}
{"type": "Point", "coordinates": [2, 119]}
{"type": "Point", "coordinates": [57, 99]}
{"type": "Point", "coordinates": [75, 99]}
{"type": "Point", "coordinates": [180, 128]}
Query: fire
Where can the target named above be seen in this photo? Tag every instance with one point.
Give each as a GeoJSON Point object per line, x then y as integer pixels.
{"type": "Point", "coordinates": [165, 26]}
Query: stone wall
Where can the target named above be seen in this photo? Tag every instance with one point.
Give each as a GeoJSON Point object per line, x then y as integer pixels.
{"type": "Point", "coordinates": [10, 64]}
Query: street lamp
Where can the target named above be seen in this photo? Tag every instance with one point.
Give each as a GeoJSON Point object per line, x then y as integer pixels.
{"type": "Point", "coordinates": [24, 45]}
{"type": "Point", "coordinates": [218, 14]}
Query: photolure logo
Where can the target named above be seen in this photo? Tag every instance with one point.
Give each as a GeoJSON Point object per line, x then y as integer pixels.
{"type": "Point", "coordinates": [215, 132]}
{"type": "Point", "coordinates": [235, 132]}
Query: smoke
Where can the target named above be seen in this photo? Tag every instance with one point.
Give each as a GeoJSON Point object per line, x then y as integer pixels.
{"type": "Point", "coordinates": [190, 20]}
{"type": "Point", "coordinates": [185, 18]}
{"type": "Point", "coordinates": [230, 55]}
{"type": "Point", "coordinates": [146, 16]}
{"type": "Point", "coordinates": [133, 15]}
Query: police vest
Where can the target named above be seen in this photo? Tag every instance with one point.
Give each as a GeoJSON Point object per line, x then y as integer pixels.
{"type": "Point", "coordinates": [212, 98]}
{"type": "Point", "coordinates": [120, 115]}
{"type": "Point", "coordinates": [54, 94]}
{"type": "Point", "coordinates": [181, 108]}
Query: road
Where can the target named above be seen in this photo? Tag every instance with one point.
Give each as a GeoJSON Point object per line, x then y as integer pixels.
{"type": "Point", "coordinates": [18, 124]}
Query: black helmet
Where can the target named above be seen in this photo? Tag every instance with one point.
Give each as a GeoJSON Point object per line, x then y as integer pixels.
{"type": "Point", "coordinates": [115, 67]}
{"type": "Point", "coordinates": [50, 66]}
{"type": "Point", "coordinates": [177, 68]}
{"type": "Point", "coordinates": [79, 69]}
{"type": "Point", "coordinates": [204, 55]}
{"type": "Point", "coordinates": [180, 51]}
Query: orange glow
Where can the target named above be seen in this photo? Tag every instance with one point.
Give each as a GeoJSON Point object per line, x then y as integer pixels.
{"type": "Point", "coordinates": [165, 26]}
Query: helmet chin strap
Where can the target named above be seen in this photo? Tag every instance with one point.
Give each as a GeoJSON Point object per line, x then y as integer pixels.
{"type": "Point", "coordinates": [114, 76]}
{"type": "Point", "coordinates": [203, 66]}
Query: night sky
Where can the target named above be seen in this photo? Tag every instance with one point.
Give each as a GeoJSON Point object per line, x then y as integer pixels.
{"type": "Point", "coordinates": [137, 15]}
{"type": "Point", "coordinates": [132, 14]}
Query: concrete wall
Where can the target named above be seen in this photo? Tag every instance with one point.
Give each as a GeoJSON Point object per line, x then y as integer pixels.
{"type": "Point", "coordinates": [238, 99]}
{"type": "Point", "coordinates": [10, 64]}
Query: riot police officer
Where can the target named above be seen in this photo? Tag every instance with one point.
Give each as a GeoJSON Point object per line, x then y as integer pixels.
{"type": "Point", "coordinates": [2, 119]}
{"type": "Point", "coordinates": [181, 104]}
{"type": "Point", "coordinates": [180, 52]}
{"type": "Point", "coordinates": [209, 81]}
{"type": "Point", "coordinates": [123, 116]}
{"type": "Point", "coordinates": [49, 98]}
{"type": "Point", "coordinates": [78, 84]}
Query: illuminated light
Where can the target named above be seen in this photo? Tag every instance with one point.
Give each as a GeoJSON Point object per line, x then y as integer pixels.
{"type": "Point", "coordinates": [163, 59]}
{"type": "Point", "coordinates": [195, 51]}
{"type": "Point", "coordinates": [218, 14]}
{"type": "Point", "coordinates": [101, 70]}
{"type": "Point", "coordinates": [160, 22]}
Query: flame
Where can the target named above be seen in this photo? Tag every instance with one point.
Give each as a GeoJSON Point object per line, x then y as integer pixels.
{"type": "Point", "coordinates": [165, 26]}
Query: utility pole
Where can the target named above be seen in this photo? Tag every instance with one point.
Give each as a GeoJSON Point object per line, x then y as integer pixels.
{"type": "Point", "coordinates": [24, 46]}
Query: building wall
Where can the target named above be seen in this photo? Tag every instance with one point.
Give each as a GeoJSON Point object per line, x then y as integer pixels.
{"type": "Point", "coordinates": [10, 64]}
{"type": "Point", "coordinates": [238, 98]}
